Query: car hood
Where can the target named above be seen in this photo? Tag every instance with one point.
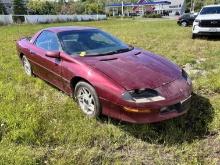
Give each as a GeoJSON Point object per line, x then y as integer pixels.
{"type": "Point", "coordinates": [208, 17]}
{"type": "Point", "coordinates": [136, 69]}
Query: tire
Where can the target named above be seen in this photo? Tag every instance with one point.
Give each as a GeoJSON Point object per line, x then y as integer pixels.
{"type": "Point", "coordinates": [87, 99]}
{"type": "Point", "coordinates": [27, 66]}
{"type": "Point", "coordinates": [184, 24]}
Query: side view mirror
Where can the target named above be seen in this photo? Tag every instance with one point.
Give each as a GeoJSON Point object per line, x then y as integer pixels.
{"type": "Point", "coordinates": [53, 54]}
{"type": "Point", "coordinates": [195, 14]}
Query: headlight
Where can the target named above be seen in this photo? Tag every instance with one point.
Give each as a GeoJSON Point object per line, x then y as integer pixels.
{"type": "Point", "coordinates": [196, 22]}
{"type": "Point", "coordinates": [142, 96]}
{"type": "Point", "coordinates": [186, 77]}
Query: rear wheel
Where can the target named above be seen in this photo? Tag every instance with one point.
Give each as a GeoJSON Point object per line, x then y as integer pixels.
{"type": "Point", "coordinates": [27, 66]}
{"type": "Point", "coordinates": [184, 24]}
{"type": "Point", "coordinates": [87, 99]}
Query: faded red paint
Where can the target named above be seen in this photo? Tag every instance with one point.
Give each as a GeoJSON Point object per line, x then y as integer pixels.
{"type": "Point", "coordinates": [113, 75]}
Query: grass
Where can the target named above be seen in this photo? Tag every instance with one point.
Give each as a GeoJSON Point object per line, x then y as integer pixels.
{"type": "Point", "coordinates": [41, 125]}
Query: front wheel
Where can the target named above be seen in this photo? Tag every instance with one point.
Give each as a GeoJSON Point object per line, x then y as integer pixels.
{"type": "Point", "coordinates": [184, 24]}
{"type": "Point", "coordinates": [87, 99]}
{"type": "Point", "coordinates": [27, 66]}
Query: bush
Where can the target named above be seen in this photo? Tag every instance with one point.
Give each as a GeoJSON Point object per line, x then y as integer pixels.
{"type": "Point", "coordinates": [19, 7]}
{"type": "Point", "coordinates": [2, 23]}
{"type": "Point", "coordinates": [42, 7]}
{"type": "Point", "coordinates": [94, 8]}
{"type": "Point", "coordinates": [152, 16]}
{"type": "Point", "coordinates": [18, 19]}
{"type": "Point", "coordinates": [1, 8]}
{"type": "Point", "coordinates": [78, 7]}
{"type": "Point", "coordinates": [73, 8]}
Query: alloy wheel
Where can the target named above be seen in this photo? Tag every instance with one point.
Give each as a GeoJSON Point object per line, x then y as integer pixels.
{"type": "Point", "coordinates": [27, 66]}
{"type": "Point", "coordinates": [86, 101]}
{"type": "Point", "coordinates": [184, 24]}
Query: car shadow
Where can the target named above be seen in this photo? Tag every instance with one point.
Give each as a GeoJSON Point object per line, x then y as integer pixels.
{"type": "Point", "coordinates": [187, 128]}
{"type": "Point", "coordinates": [209, 38]}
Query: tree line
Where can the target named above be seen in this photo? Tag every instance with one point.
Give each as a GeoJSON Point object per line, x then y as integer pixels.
{"type": "Point", "coordinates": [60, 7]}
{"type": "Point", "coordinates": [79, 7]}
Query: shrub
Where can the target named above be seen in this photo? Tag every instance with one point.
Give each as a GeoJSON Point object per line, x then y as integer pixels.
{"type": "Point", "coordinates": [94, 8]}
{"type": "Point", "coordinates": [19, 7]}
{"type": "Point", "coordinates": [2, 23]}
{"type": "Point", "coordinates": [18, 19]}
{"type": "Point", "coordinates": [152, 16]}
{"type": "Point", "coordinates": [42, 7]}
{"type": "Point", "coordinates": [1, 8]}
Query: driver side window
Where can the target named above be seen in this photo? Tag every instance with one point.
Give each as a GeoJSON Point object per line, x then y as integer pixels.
{"type": "Point", "coordinates": [48, 41]}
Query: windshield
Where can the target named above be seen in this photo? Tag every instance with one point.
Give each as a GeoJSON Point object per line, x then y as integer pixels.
{"type": "Point", "coordinates": [210, 10]}
{"type": "Point", "coordinates": [90, 42]}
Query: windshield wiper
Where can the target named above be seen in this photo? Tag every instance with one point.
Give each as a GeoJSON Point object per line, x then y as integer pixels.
{"type": "Point", "coordinates": [118, 51]}
{"type": "Point", "coordinates": [112, 52]}
{"type": "Point", "coordinates": [102, 54]}
{"type": "Point", "coordinates": [124, 50]}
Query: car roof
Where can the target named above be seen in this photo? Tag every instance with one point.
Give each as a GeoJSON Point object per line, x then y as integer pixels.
{"type": "Point", "coordinates": [186, 14]}
{"type": "Point", "coordinates": [68, 28]}
{"type": "Point", "coordinates": [218, 5]}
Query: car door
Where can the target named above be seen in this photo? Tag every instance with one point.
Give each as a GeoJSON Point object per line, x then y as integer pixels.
{"type": "Point", "coordinates": [47, 68]}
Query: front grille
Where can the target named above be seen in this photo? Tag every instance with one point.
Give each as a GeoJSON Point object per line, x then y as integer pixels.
{"type": "Point", "coordinates": [179, 107]}
{"type": "Point", "coordinates": [209, 23]}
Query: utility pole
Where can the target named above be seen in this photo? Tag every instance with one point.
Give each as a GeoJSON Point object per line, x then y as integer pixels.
{"type": "Point", "coordinates": [192, 6]}
{"type": "Point", "coordinates": [122, 9]}
{"type": "Point", "coordinates": [97, 16]}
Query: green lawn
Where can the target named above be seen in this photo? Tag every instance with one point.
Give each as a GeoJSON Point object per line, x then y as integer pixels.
{"type": "Point", "coordinates": [41, 125]}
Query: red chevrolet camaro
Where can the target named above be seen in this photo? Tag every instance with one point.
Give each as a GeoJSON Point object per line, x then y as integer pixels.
{"type": "Point", "coordinates": [105, 75]}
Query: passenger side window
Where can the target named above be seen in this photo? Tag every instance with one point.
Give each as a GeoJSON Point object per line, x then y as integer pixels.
{"type": "Point", "coordinates": [48, 41]}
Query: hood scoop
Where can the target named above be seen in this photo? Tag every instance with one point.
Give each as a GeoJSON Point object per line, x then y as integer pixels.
{"type": "Point", "coordinates": [137, 53]}
{"type": "Point", "coordinates": [109, 59]}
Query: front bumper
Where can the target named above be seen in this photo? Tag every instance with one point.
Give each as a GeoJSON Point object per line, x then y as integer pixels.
{"type": "Point", "coordinates": [156, 115]}
{"type": "Point", "coordinates": [177, 102]}
{"type": "Point", "coordinates": [197, 30]}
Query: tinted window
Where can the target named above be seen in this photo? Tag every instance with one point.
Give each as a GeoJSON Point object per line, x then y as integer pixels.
{"type": "Point", "coordinates": [210, 10]}
{"type": "Point", "coordinates": [186, 16]}
{"type": "Point", "coordinates": [48, 41]}
{"type": "Point", "coordinates": [90, 42]}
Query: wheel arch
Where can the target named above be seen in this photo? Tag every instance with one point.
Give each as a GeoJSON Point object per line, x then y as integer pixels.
{"type": "Point", "coordinates": [75, 80]}
{"type": "Point", "coordinates": [21, 55]}
{"type": "Point", "coordinates": [184, 20]}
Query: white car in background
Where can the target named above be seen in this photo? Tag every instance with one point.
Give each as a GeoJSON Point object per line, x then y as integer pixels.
{"type": "Point", "coordinates": [207, 22]}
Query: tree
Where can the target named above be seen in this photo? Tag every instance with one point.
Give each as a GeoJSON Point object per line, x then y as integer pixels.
{"type": "Point", "coordinates": [42, 7]}
{"type": "Point", "coordinates": [94, 6]}
{"type": "Point", "coordinates": [19, 7]}
{"type": "Point", "coordinates": [2, 8]}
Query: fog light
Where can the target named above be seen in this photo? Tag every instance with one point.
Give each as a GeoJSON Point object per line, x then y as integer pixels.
{"type": "Point", "coordinates": [163, 109]}
{"type": "Point", "coordinates": [137, 110]}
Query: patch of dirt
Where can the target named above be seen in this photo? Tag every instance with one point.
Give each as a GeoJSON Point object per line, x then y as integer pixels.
{"type": "Point", "coordinates": [193, 70]}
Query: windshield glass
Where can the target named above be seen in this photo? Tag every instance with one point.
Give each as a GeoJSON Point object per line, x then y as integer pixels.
{"type": "Point", "coordinates": [91, 42]}
{"type": "Point", "coordinates": [210, 10]}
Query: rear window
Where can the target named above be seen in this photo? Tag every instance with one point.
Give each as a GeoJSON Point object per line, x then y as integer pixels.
{"type": "Point", "coordinates": [185, 15]}
{"type": "Point", "coordinates": [210, 10]}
